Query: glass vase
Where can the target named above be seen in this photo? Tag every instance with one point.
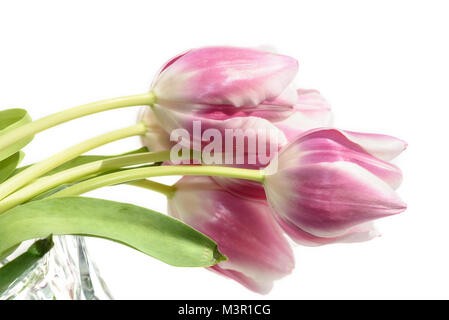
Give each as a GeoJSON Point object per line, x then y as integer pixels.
{"type": "Point", "coordinates": [65, 273]}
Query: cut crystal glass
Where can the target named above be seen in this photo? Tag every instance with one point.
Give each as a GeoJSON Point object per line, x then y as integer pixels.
{"type": "Point", "coordinates": [65, 273]}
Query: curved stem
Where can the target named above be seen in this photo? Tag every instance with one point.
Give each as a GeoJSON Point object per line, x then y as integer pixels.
{"type": "Point", "coordinates": [56, 160]}
{"type": "Point", "coordinates": [67, 176]}
{"type": "Point", "coordinates": [37, 126]}
{"type": "Point", "coordinates": [142, 173]}
{"type": "Point", "coordinates": [164, 189]}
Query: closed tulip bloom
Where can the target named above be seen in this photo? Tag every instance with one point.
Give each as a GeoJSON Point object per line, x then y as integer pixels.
{"type": "Point", "coordinates": [310, 111]}
{"type": "Point", "coordinates": [383, 147]}
{"type": "Point", "coordinates": [244, 230]}
{"type": "Point", "coordinates": [225, 88]}
{"type": "Point", "coordinates": [325, 184]}
{"type": "Point", "coordinates": [224, 77]}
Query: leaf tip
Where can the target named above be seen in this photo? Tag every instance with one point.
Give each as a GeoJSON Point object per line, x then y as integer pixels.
{"type": "Point", "coordinates": [41, 247]}
{"type": "Point", "coordinates": [218, 256]}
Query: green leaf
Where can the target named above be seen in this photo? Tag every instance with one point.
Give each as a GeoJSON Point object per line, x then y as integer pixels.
{"type": "Point", "coordinates": [8, 165]}
{"type": "Point", "coordinates": [8, 252]}
{"type": "Point", "coordinates": [17, 267]}
{"type": "Point", "coordinates": [9, 120]}
{"type": "Point", "coordinates": [82, 160]}
{"type": "Point", "coordinates": [150, 232]}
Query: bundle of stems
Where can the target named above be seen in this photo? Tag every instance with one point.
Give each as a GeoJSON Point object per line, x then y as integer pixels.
{"type": "Point", "coordinates": [56, 177]}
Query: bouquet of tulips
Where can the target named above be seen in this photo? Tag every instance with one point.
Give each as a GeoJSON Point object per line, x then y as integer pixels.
{"type": "Point", "coordinates": [260, 160]}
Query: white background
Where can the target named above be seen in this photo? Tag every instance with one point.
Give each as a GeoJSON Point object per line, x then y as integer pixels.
{"type": "Point", "coordinates": [383, 65]}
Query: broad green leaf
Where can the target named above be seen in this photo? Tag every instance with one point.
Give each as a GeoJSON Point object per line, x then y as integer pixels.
{"type": "Point", "coordinates": [17, 267]}
{"type": "Point", "coordinates": [150, 232]}
{"type": "Point", "coordinates": [9, 120]}
{"type": "Point", "coordinates": [82, 160]}
{"type": "Point", "coordinates": [8, 165]}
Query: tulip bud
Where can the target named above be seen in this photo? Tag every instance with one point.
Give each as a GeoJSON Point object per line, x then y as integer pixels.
{"type": "Point", "coordinates": [223, 76]}
{"type": "Point", "coordinates": [244, 230]}
{"type": "Point", "coordinates": [225, 88]}
{"type": "Point", "coordinates": [326, 184]}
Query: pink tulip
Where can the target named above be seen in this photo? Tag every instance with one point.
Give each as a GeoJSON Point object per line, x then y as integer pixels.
{"type": "Point", "coordinates": [358, 147]}
{"type": "Point", "coordinates": [245, 231]}
{"type": "Point", "coordinates": [311, 111]}
{"type": "Point", "coordinates": [224, 77]}
{"type": "Point", "coordinates": [326, 184]}
{"type": "Point", "coordinates": [225, 88]}
{"type": "Point", "coordinates": [383, 146]}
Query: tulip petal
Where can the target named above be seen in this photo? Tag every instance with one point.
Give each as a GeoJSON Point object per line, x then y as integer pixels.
{"type": "Point", "coordinates": [329, 145]}
{"type": "Point", "coordinates": [259, 286]}
{"type": "Point", "coordinates": [225, 75]}
{"type": "Point", "coordinates": [256, 249]}
{"type": "Point", "coordinates": [313, 111]}
{"type": "Point", "coordinates": [155, 139]}
{"type": "Point", "coordinates": [242, 188]}
{"type": "Point", "coordinates": [288, 98]}
{"type": "Point", "coordinates": [258, 128]}
{"type": "Point", "coordinates": [359, 233]}
{"type": "Point", "coordinates": [328, 198]}
{"type": "Point", "coordinates": [310, 111]}
{"type": "Point", "coordinates": [379, 145]}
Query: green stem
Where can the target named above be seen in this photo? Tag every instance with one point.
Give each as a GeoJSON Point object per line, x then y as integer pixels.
{"type": "Point", "coordinates": [37, 126]}
{"type": "Point", "coordinates": [83, 171]}
{"type": "Point", "coordinates": [164, 189]}
{"type": "Point", "coordinates": [142, 173]}
{"type": "Point", "coordinates": [56, 160]}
